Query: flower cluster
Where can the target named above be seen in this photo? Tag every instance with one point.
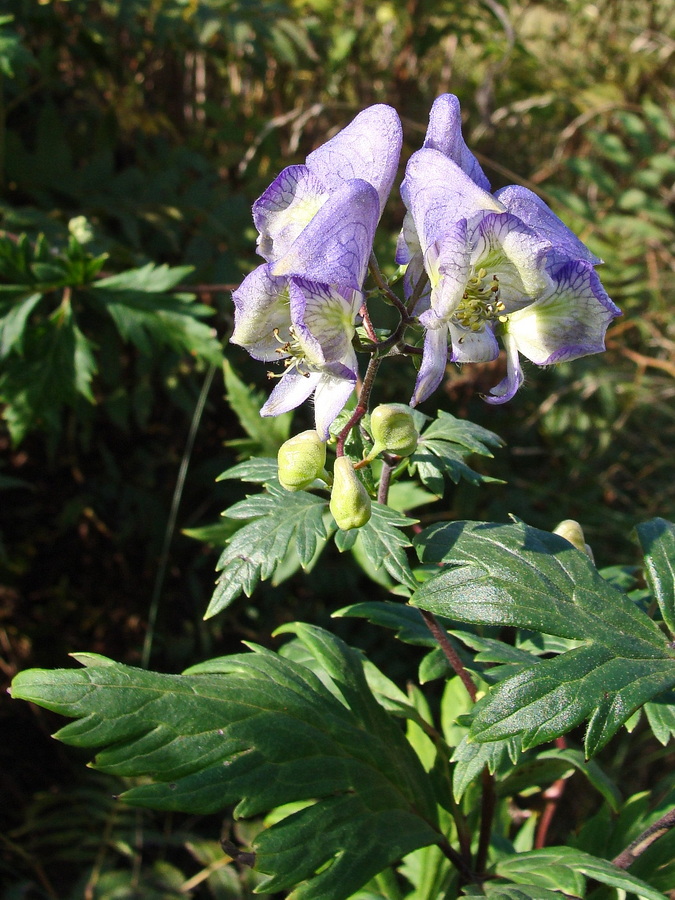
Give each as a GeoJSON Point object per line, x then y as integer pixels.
{"type": "Point", "coordinates": [316, 226]}
{"type": "Point", "coordinates": [499, 265]}
{"type": "Point", "coordinates": [480, 267]}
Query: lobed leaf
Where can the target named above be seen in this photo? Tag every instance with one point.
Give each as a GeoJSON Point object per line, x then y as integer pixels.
{"type": "Point", "coordinates": [565, 869]}
{"type": "Point", "coordinates": [258, 730]}
{"type": "Point", "coordinates": [258, 469]}
{"type": "Point", "coordinates": [383, 541]}
{"type": "Point", "coordinates": [443, 447]}
{"type": "Point", "coordinates": [519, 576]}
{"type": "Point", "coordinates": [281, 522]}
{"type": "Point", "coordinates": [657, 538]}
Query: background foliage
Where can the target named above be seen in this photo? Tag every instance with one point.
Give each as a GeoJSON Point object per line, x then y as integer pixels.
{"type": "Point", "coordinates": [134, 136]}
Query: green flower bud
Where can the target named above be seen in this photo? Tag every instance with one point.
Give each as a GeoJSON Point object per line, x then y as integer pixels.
{"type": "Point", "coordinates": [301, 460]}
{"type": "Point", "coordinates": [349, 501]}
{"type": "Point", "coordinates": [572, 532]}
{"type": "Point", "coordinates": [393, 429]}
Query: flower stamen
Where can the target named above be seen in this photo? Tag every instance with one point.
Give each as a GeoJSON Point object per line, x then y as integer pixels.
{"type": "Point", "coordinates": [480, 302]}
{"type": "Point", "coordinates": [295, 355]}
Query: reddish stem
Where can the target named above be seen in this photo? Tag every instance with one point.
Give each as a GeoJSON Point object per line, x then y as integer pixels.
{"type": "Point", "coordinates": [553, 796]}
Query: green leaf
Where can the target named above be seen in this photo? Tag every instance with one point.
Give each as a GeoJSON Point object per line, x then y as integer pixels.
{"type": "Point", "coordinates": [564, 868]}
{"type": "Point", "coordinates": [15, 315]}
{"type": "Point", "coordinates": [143, 310]}
{"type": "Point", "coordinates": [147, 279]}
{"type": "Point", "coordinates": [519, 576]}
{"type": "Point", "coordinates": [661, 717]}
{"type": "Point", "coordinates": [382, 541]}
{"type": "Point", "coordinates": [657, 538]}
{"type": "Point", "coordinates": [281, 522]}
{"type": "Point", "coordinates": [57, 368]}
{"type": "Point", "coordinates": [216, 535]}
{"type": "Point", "coordinates": [266, 435]}
{"type": "Point", "coordinates": [470, 759]}
{"type": "Point", "coordinates": [443, 447]}
{"type": "Point", "coordinates": [257, 469]}
{"type": "Point", "coordinates": [591, 771]}
{"type": "Point", "coordinates": [406, 621]}
{"type": "Point", "coordinates": [259, 731]}
{"type": "Point", "coordinates": [467, 434]}
{"type": "Point", "coordinates": [496, 891]}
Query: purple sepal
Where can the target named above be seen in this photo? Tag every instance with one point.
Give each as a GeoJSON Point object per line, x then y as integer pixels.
{"type": "Point", "coordinates": [532, 210]}
{"type": "Point", "coordinates": [434, 361]}
{"type": "Point", "coordinates": [439, 193]}
{"type": "Point", "coordinates": [323, 320]}
{"type": "Point", "coordinates": [508, 386]}
{"type": "Point", "coordinates": [281, 213]}
{"type": "Point", "coordinates": [367, 149]}
{"type": "Point", "coordinates": [335, 246]}
{"type": "Point", "coordinates": [261, 314]}
{"type": "Point", "coordinates": [445, 135]}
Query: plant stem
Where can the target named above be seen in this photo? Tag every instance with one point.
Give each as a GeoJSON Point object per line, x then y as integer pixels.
{"type": "Point", "coordinates": [173, 515]}
{"type": "Point", "coordinates": [487, 811]}
{"type": "Point", "coordinates": [449, 652]}
{"type": "Point", "coordinates": [552, 795]}
{"type": "Point", "coordinates": [637, 847]}
{"type": "Point", "coordinates": [489, 799]}
{"type": "Point", "coordinates": [381, 282]}
{"type": "Point", "coordinates": [361, 406]}
{"type": "Point", "coordinates": [367, 324]}
{"type": "Point", "coordinates": [450, 853]}
{"type": "Point", "coordinates": [417, 292]}
{"type": "Point", "coordinates": [385, 480]}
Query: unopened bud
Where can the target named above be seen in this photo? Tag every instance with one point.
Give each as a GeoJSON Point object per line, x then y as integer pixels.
{"type": "Point", "coordinates": [349, 501]}
{"type": "Point", "coordinates": [572, 532]}
{"type": "Point", "coordinates": [393, 429]}
{"type": "Point", "coordinates": [301, 460]}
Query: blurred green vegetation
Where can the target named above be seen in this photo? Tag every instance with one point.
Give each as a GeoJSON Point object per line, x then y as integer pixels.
{"type": "Point", "coordinates": [134, 135]}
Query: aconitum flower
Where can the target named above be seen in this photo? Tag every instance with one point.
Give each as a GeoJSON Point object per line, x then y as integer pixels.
{"type": "Point", "coordinates": [501, 266]}
{"type": "Point", "coordinates": [316, 226]}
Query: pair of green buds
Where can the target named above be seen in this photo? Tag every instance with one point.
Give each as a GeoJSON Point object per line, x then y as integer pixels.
{"type": "Point", "coordinates": [302, 460]}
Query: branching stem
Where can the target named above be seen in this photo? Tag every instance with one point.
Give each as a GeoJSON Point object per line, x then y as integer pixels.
{"type": "Point", "coordinates": [381, 282]}
{"type": "Point", "coordinates": [450, 853]}
{"type": "Point", "coordinates": [636, 848]}
{"type": "Point", "coordinates": [361, 406]}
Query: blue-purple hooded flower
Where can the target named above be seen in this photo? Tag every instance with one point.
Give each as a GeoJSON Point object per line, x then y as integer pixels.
{"type": "Point", "coordinates": [316, 225]}
{"type": "Point", "coordinates": [499, 266]}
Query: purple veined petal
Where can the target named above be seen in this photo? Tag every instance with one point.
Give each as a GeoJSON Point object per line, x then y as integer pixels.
{"type": "Point", "coordinates": [262, 314]}
{"type": "Point", "coordinates": [568, 323]}
{"type": "Point", "coordinates": [532, 210]}
{"type": "Point", "coordinates": [438, 194]}
{"type": "Point", "coordinates": [507, 387]}
{"type": "Point", "coordinates": [335, 246]}
{"type": "Point", "coordinates": [448, 265]}
{"type": "Point", "coordinates": [323, 320]}
{"type": "Point", "coordinates": [329, 400]}
{"type": "Point", "coordinates": [472, 346]}
{"type": "Point", "coordinates": [368, 149]}
{"type": "Point", "coordinates": [445, 135]}
{"type": "Point", "coordinates": [434, 361]}
{"type": "Point", "coordinates": [291, 390]}
{"type": "Point", "coordinates": [508, 249]}
{"type": "Point", "coordinates": [287, 206]}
